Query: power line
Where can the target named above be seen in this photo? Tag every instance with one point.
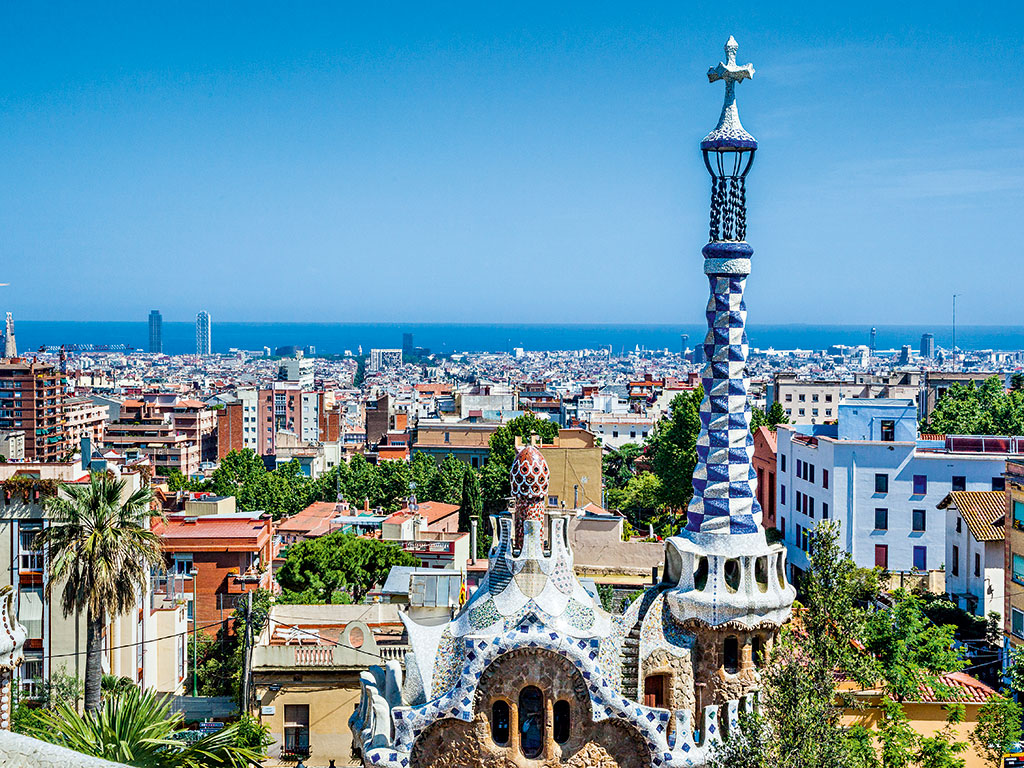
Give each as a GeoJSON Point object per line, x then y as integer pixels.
{"type": "Point", "coordinates": [130, 645]}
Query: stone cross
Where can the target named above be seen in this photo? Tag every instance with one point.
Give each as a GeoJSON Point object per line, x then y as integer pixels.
{"type": "Point", "coordinates": [729, 129]}
{"type": "Point", "coordinates": [729, 71]}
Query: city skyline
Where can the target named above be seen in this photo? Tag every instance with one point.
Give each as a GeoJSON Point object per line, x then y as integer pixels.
{"type": "Point", "coordinates": [463, 143]}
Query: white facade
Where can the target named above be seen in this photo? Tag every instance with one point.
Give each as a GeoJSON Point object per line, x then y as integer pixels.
{"type": "Point", "coordinates": [250, 417]}
{"type": "Point", "coordinates": [882, 493]}
{"type": "Point", "coordinates": [974, 569]}
{"type": "Point", "coordinates": [616, 430]}
{"type": "Point", "coordinates": [382, 359]}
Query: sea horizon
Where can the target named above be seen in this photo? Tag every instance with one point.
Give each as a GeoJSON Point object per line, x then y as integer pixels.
{"type": "Point", "coordinates": [336, 338]}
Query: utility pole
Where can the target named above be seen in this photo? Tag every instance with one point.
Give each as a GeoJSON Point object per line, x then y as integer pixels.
{"type": "Point", "coordinates": [247, 653]}
{"type": "Point", "coordinates": [194, 573]}
{"type": "Point", "coordinates": [954, 327]}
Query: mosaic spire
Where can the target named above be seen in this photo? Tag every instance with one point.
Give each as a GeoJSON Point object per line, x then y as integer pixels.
{"type": "Point", "coordinates": [528, 478]}
{"type": "Point", "coordinates": [724, 481]}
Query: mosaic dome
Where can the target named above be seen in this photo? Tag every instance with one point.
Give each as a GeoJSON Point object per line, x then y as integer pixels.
{"type": "Point", "coordinates": [529, 475]}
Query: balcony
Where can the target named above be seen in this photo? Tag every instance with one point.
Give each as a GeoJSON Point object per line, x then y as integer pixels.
{"type": "Point", "coordinates": [288, 657]}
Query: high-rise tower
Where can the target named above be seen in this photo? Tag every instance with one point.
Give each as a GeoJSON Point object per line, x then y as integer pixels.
{"type": "Point", "coordinates": [156, 332]}
{"type": "Point", "coordinates": [729, 584]}
{"type": "Point", "coordinates": [203, 328]}
{"type": "Point", "coordinates": [10, 346]}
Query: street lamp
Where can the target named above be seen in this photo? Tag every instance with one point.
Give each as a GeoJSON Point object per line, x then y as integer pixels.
{"type": "Point", "coordinates": [194, 573]}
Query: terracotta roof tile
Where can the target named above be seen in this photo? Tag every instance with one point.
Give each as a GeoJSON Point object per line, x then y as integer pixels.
{"type": "Point", "coordinates": [963, 688]}
{"type": "Point", "coordinates": [981, 510]}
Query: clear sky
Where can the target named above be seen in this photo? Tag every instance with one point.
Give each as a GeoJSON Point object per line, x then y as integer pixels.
{"type": "Point", "coordinates": [511, 162]}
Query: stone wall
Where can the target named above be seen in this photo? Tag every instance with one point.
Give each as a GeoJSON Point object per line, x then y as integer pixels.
{"type": "Point", "coordinates": [457, 744]}
{"type": "Point", "coordinates": [679, 672]}
{"type": "Point", "coordinates": [17, 751]}
{"type": "Point", "coordinates": [712, 683]}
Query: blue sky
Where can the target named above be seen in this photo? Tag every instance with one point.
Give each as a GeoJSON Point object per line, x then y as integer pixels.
{"type": "Point", "coordinates": [515, 163]}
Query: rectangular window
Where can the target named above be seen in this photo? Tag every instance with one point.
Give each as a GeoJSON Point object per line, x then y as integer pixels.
{"type": "Point", "coordinates": [959, 483]}
{"type": "Point", "coordinates": [810, 476]}
{"type": "Point", "coordinates": [956, 560]}
{"type": "Point", "coordinates": [183, 564]}
{"type": "Point", "coordinates": [1018, 569]}
{"type": "Point", "coordinates": [958, 525]}
{"type": "Point", "coordinates": [881, 483]}
{"type": "Point", "coordinates": [998, 484]}
{"type": "Point", "coordinates": [801, 411]}
{"type": "Point", "coordinates": [814, 411]}
{"type": "Point", "coordinates": [881, 556]}
{"type": "Point", "coordinates": [824, 478]}
{"type": "Point", "coordinates": [810, 503]}
{"type": "Point", "coordinates": [799, 498]}
{"type": "Point", "coordinates": [296, 729]}
{"type": "Point", "coordinates": [814, 398]}
{"type": "Point", "coordinates": [1016, 622]}
{"type": "Point", "coordinates": [919, 520]}
{"type": "Point", "coordinates": [782, 462]}
{"type": "Point", "coordinates": [881, 519]}
{"type": "Point", "coordinates": [31, 556]}
{"type": "Point", "coordinates": [977, 565]}
{"type": "Point", "coordinates": [803, 398]}
{"type": "Point", "coordinates": [799, 468]}
{"type": "Point", "coordinates": [824, 510]}
{"type": "Point", "coordinates": [828, 398]}
{"type": "Point", "coordinates": [789, 397]}
{"type": "Point", "coordinates": [30, 611]}
{"type": "Point", "coordinates": [920, 558]}
{"type": "Point", "coordinates": [782, 494]}
{"type": "Point", "coordinates": [920, 485]}
{"type": "Point", "coordinates": [888, 431]}
{"type": "Point", "coordinates": [1018, 516]}
{"type": "Point", "coordinates": [782, 526]}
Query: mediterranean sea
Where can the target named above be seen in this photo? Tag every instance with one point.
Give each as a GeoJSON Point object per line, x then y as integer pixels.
{"type": "Point", "coordinates": [336, 338]}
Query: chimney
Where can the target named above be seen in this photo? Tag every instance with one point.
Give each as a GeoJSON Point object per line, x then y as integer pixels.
{"type": "Point", "coordinates": [366, 504]}
{"type": "Point", "coordinates": [472, 542]}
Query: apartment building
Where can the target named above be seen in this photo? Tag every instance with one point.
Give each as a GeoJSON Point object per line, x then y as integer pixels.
{"type": "Point", "coordinates": [85, 418]}
{"type": "Point", "coordinates": [227, 554]}
{"type": "Point", "coordinates": [816, 401]}
{"type": "Point", "coordinates": [32, 401]}
{"type": "Point", "coordinates": [765, 463]}
{"type": "Point", "coordinates": [143, 430]}
{"type": "Point", "coordinates": [575, 465]}
{"type": "Point", "coordinates": [468, 442]}
{"type": "Point", "coordinates": [306, 667]}
{"type": "Point", "coordinates": [975, 529]}
{"type": "Point", "coordinates": [147, 644]}
{"type": "Point", "coordinates": [1013, 556]}
{"type": "Point", "coordinates": [881, 483]}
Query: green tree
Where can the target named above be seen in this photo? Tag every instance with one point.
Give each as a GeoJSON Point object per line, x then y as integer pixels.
{"type": "Point", "coordinates": [899, 742]}
{"type": "Point", "coordinates": [639, 500]}
{"type": "Point", "coordinates": [138, 728]}
{"type": "Point", "coordinates": [237, 470]}
{"type": "Point", "coordinates": [447, 487]}
{"type": "Point", "coordinates": [912, 651]}
{"type": "Point", "coordinates": [998, 729]}
{"type": "Point", "coordinates": [340, 562]}
{"type": "Point", "coordinates": [967, 409]}
{"type": "Point", "coordinates": [101, 550]}
{"type": "Point", "coordinates": [424, 472]}
{"type": "Point", "coordinates": [943, 749]}
{"type": "Point", "coordinates": [619, 465]}
{"type": "Point", "coordinates": [673, 449]}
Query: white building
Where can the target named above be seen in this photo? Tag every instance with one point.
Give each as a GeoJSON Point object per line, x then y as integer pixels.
{"type": "Point", "coordinates": [298, 370]}
{"type": "Point", "coordinates": [615, 429]}
{"type": "Point", "coordinates": [881, 483]}
{"type": "Point", "coordinates": [975, 533]}
{"type": "Point", "coordinates": [382, 359]}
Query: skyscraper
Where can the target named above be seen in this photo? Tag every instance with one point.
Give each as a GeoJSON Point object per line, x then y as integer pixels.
{"type": "Point", "coordinates": [684, 342]}
{"type": "Point", "coordinates": [156, 331]}
{"type": "Point", "coordinates": [874, 334]}
{"type": "Point", "coordinates": [203, 333]}
{"type": "Point", "coordinates": [928, 346]}
{"type": "Point", "coordinates": [10, 347]}
{"type": "Point", "coordinates": [407, 347]}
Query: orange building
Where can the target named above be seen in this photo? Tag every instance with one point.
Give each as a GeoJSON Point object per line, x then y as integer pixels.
{"type": "Point", "coordinates": [230, 554]}
{"type": "Point", "coordinates": [765, 448]}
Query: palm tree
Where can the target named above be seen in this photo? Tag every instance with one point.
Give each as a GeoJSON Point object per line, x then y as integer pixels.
{"type": "Point", "coordinates": [138, 728]}
{"type": "Point", "coordinates": [100, 547]}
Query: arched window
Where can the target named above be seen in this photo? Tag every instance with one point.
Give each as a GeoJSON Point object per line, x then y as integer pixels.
{"type": "Point", "coordinates": [757, 650]}
{"type": "Point", "coordinates": [561, 721]}
{"type": "Point", "coordinates": [531, 721]}
{"type": "Point", "coordinates": [499, 722]}
{"type": "Point", "coordinates": [731, 655]}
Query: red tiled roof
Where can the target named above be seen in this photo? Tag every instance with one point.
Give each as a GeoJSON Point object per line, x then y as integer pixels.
{"type": "Point", "coordinates": [964, 688]}
{"type": "Point", "coordinates": [310, 520]}
{"type": "Point", "coordinates": [432, 510]}
{"type": "Point", "coordinates": [981, 510]}
{"type": "Point", "coordinates": [230, 531]}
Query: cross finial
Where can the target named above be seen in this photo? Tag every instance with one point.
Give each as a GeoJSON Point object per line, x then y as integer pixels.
{"type": "Point", "coordinates": [729, 132]}
{"type": "Point", "coordinates": [728, 70]}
